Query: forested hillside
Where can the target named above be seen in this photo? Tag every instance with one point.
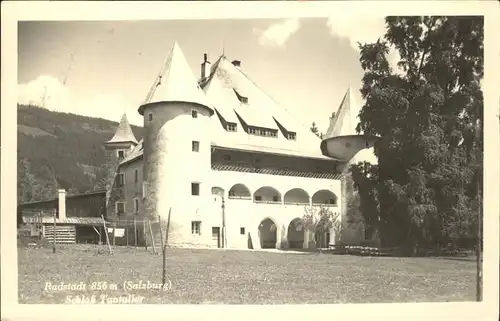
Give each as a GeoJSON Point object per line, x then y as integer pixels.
{"type": "Point", "coordinates": [60, 150]}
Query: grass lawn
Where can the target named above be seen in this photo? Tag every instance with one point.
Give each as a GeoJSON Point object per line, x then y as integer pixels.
{"type": "Point", "coordinates": [245, 277]}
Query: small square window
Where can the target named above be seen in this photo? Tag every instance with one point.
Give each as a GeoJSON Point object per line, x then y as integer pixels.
{"type": "Point", "coordinates": [195, 146]}
{"type": "Point", "coordinates": [194, 113]}
{"type": "Point", "coordinates": [196, 227]}
{"type": "Point", "coordinates": [275, 198]}
{"type": "Point", "coordinates": [150, 117]}
{"type": "Point", "coordinates": [258, 198]}
{"type": "Point", "coordinates": [227, 157]}
{"type": "Point", "coordinates": [242, 230]}
{"type": "Point", "coordinates": [195, 189]}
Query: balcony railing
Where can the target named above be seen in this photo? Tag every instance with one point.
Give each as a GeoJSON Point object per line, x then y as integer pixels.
{"type": "Point", "coordinates": [267, 202]}
{"type": "Point", "coordinates": [324, 204]}
{"type": "Point", "coordinates": [296, 203]}
{"type": "Point", "coordinates": [232, 197]}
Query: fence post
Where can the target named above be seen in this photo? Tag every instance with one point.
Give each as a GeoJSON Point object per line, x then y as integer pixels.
{"type": "Point", "coordinates": [126, 231]}
{"type": "Point", "coordinates": [152, 238]}
{"type": "Point", "coordinates": [144, 234]}
{"type": "Point", "coordinates": [54, 233]}
{"type": "Point", "coordinates": [114, 233]}
{"type": "Point", "coordinates": [135, 232]}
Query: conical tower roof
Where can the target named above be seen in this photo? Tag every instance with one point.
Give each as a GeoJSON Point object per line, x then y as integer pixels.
{"type": "Point", "coordinates": [344, 122]}
{"type": "Point", "coordinates": [123, 133]}
{"type": "Point", "coordinates": [176, 83]}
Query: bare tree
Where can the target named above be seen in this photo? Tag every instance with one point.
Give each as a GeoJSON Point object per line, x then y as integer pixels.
{"type": "Point", "coordinates": [318, 220]}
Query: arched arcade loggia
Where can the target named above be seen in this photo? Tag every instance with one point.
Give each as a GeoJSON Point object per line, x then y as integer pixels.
{"type": "Point", "coordinates": [268, 233]}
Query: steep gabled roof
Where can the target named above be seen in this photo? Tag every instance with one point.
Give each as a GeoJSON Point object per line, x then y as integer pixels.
{"type": "Point", "coordinates": [135, 153]}
{"type": "Point", "coordinates": [176, 83]}
{"type": "Point", "coordinates": [225, 87]}
{"type": "Point", "coordinates": [344, 122]}
{"type": "Point", "coordinates": [124, 133]}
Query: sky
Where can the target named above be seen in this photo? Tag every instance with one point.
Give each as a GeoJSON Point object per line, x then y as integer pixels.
{"type": "Point", "coordinates": [105, 68]}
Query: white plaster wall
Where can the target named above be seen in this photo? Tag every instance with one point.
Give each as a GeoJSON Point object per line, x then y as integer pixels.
{"type": "Point", "coordinates": [170, 166]}
{"type": "Point", "coordinates": [345, 147]}
{"type": "Point", "coordinates": [248, 214]}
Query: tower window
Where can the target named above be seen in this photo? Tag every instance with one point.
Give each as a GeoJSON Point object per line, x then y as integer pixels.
{"type": "Point", "coordinates": [120, 208]}
{"type": "Point", "coordinates": [150, 117]}
{"type": "Point", "coordinates": [195, 146]}
{"type": "Point", "coordinates": [121, 154]}
{"type": "Point", "coordinates": [195, 189]}
{"type": "Point", "coordinates": [136, 176]}
{"type": "Point", "coordinates": [194, 113]}
{"type": "Point", "coordinates": [196, 227]}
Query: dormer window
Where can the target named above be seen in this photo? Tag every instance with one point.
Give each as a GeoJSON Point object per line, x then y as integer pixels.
{"type": "Point", "coordinates": [231, 127]}
{"type": "Point", "coordinates": [292, 136]}
{"type": "Point", "coordinates": [263, 132]}
{"type": "Point", "coordinates": [194, 113]}
{"type": "Point", "coordinates": [241, 98]}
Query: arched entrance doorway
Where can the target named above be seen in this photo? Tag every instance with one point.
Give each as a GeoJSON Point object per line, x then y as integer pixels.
{"type": "Point", "coordinates": [296, 234]}
{"type": "Point", "coordinates": [267, 234]}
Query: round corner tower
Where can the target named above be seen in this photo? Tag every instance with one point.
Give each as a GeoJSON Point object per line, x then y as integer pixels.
{"type": "Point", "coordinates": [177, 148]}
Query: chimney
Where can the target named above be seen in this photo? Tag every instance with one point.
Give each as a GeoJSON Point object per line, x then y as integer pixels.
{"type": "Point", "coordinates": [236, 63]}
{"type": "Point", "coordinates": [205, 67]}
{"type": "Point", "coordinates": [62, 204]}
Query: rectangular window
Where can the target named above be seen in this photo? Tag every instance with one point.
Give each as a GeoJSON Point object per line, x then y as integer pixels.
{"type": "Point", "coordinates": [292, 136]}
{"type": "Point", "coordinates": [231, 127]}
{"type": "Point", "coordinates": [196, 227]}
{"type": "Point", "coordinates": [195, 146]}
{"type": "Point", "coordinates": [120, 208]}
{"type": "Point", "coordinates": [136, 176]}
{"type": "Point", "coordinates": [120, 180]}
{"type": "Point", "coordinates": [227, 157]}
{"type": "Point", "coordinates": [275, 199]}
{"type": "Point", "coordinates": [136, 205]}
{"type": "Point", "coordinates": [242, 230]}
{"type": "Point", "coordinates": [121, 154]}
{"type": "Point", "coordinates": [258, 198]}
{"type": "Point", "coordinates": [195, 189]}
{"type": "Point", "coordinates": [194, 113]}
{"type": "Point", "coordinates": [150, 117]}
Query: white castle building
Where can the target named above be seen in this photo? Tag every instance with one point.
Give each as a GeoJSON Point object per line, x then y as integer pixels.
{"type": "Point", "coordinates": [228, 164]}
